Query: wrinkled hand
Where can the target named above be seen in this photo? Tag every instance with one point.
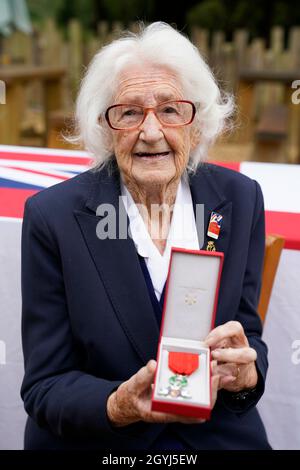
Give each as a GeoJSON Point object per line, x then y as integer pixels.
{"type": "Point", "coordinates": [131, 402]}
{"type": "Point", "coordinates": [236, 360]}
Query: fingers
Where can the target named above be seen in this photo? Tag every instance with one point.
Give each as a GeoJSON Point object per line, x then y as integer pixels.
{"type": "Point", "coordinates": [132, 401]}
{"type": "Point", "coordinates": [214, 365]}
{"type": "Point", "coordinates": [143, 379]}
{"type": "Point", "coordinates": [227, 369]}
{"type": "Point", "coordinates": [237, 376]}
{"type": "Point", "coordinates": [214, 388]}
{"type": "Point", "coordinates": [227, 374]}
{"type": "Point", "coordinates": [231, 329]}
{"type": "Point", "coordinates": [227, 382]}
{"type": "Point", "coordinates": [215, 379]}
{"type": "Point", "coordinates": [126, 405]}
{"type": "Point", "coordinates": [237, 355]}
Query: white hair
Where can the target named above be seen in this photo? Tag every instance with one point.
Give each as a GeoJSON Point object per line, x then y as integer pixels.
{"type": "Point", "coordinates": [160, 45]}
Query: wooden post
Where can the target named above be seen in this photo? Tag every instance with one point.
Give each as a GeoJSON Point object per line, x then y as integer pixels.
{"type": "Point", "coordinates": [17, 79]}
{"type": "Point", "coordinates": [229, 68]}
{"type": "Point", "coordinates": [294, 47]}
{"type": "Point", "coordinates": [218, 40]}
{"type": "Point", "coordinates": [18, 46]}
{"type": "Point", "coordinates": [92, 47]}
{"type": "Point", "coordinates": [257, 53]}
{"type": "Point", "coordinates": [50, 44]}
{"type": "Point", "coordinates": [244, 121]}
{"type": "Point", "coordinates": [52, 100]}
{"type": "Point", "coordinates": [103, 31]}
{"type": "Point", "coordinates": [240, 41]}
{"type": "Point", "coordinates": [294, 141]}
{"type": "Point", "coordinates": [277, 40]}
{"type": "Point", "coordinates": [200, 38]}
{"type": "Point", "coordinates": [75, 54]}
{"type": "Point", "coordinates": [257, 56]}
{"type": "Point", "coordinates": [293, 144]}
{"type": "Point", "coordinates": [276, 90]}
{"type": "Point", "coordinates": [11, 114]}
{"type": "Point", "coordinates": [117, 27]}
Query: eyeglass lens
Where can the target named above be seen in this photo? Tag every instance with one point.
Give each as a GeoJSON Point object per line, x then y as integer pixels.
{"type": "Point", "coordinates": [170, 113]}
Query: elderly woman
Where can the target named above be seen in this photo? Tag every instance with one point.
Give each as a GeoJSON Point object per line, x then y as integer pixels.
{"type": "Point", "coordinates": [148, 109]}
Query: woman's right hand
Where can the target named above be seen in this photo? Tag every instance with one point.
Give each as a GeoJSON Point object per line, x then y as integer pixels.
{"type": "Point", "coordinates": [131, 402]}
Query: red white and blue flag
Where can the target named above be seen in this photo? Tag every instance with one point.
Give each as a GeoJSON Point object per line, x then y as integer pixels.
{"type": "Point", "coordinates": [25, 171]}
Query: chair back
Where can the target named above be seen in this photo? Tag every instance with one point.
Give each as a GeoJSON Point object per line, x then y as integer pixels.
{"type": "Point", "coordinates": [274, 246]}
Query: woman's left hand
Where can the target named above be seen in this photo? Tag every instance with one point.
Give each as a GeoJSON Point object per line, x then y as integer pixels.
{"type": "Point", "coordinates": [235, 358]}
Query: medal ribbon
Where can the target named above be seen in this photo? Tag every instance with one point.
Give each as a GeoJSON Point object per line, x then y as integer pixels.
{"type": "Point", "coordinates": [183, 363]}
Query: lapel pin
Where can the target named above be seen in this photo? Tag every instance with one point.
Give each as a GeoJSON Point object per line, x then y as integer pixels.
{"type": "Point", "coordinates": [214, 225]}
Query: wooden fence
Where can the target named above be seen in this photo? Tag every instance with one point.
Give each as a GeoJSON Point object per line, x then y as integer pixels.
{"type": "Point", "coordinates": [73, 48]}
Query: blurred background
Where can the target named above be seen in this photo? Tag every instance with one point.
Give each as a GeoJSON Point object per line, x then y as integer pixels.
{"type": "Point", "coordinates": [252, 47]}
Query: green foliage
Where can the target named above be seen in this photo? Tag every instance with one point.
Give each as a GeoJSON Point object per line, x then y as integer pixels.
{"type": "Point", "coordinates": [210, 14]}
{"type": "Point", "coordinates": [286, 14]}
{"type": "Point", "coordinates": [281, 14]}
{"type": "Point", "coordinates": [246, 15]}
{"type": "Point", "coordinates": [256, 15]}
{"type": "Point", "coordinates": [40, 9]}
{"type": "Point", "coordinates": [91, 11]}
{"type": "Point", "coordinates": [124, 11]}
{"type": "Point", "coordinates": [82, 10]}
{"type": "Point", "coordinates": [62, 10]}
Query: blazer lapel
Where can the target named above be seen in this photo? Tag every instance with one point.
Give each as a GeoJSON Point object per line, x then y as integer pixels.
{"type": "Point", "coordinates": [118, 266]}
{"type": "Point", "coordinates": [117, 262]}
{"type": "Point", "coordinates": [204, 191]}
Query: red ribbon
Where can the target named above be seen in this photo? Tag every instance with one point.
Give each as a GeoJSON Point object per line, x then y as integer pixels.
{"type": "Point", "coordinates": [183, 363]}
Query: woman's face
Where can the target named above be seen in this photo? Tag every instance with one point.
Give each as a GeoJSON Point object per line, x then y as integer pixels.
{"type": "Point", "coordinates": [167, 148]}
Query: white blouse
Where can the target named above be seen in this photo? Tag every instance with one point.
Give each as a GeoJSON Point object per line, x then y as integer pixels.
{"type": "Point", "coordinates": [182, 233]}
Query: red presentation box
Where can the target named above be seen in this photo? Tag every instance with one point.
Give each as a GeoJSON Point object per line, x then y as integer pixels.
{"type": "Point", "coordinates": [188, 316]}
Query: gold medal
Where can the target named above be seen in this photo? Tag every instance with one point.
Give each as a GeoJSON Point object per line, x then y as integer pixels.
{"type": "Point", "coordinates": [210, 246]}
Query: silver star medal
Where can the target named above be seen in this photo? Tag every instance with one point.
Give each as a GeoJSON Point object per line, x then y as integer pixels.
{"type": "Point", "coordinates": [177, 387]}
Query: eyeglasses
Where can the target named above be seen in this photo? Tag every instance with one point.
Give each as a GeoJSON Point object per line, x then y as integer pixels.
{"type": "Point", "coordinates": [170, 113]}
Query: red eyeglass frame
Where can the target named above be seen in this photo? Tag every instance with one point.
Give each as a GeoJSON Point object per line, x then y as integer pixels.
{"type": "Point", "coordinates": [146, 111]}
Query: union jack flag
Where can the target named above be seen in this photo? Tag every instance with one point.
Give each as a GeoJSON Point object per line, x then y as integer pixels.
{"type": "Point", "coordinates": [25, 171]}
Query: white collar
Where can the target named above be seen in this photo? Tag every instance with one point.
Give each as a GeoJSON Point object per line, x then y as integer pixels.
{"type": "Point", "coordinates": [182, 233]}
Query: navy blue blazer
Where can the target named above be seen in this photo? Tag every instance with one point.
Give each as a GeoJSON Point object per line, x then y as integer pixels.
{"type": "Point", "coordinates": [88, 323]}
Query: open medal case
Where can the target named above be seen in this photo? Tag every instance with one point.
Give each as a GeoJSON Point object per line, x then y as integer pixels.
{"type": "Point", "coordinates": [188, 316]}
